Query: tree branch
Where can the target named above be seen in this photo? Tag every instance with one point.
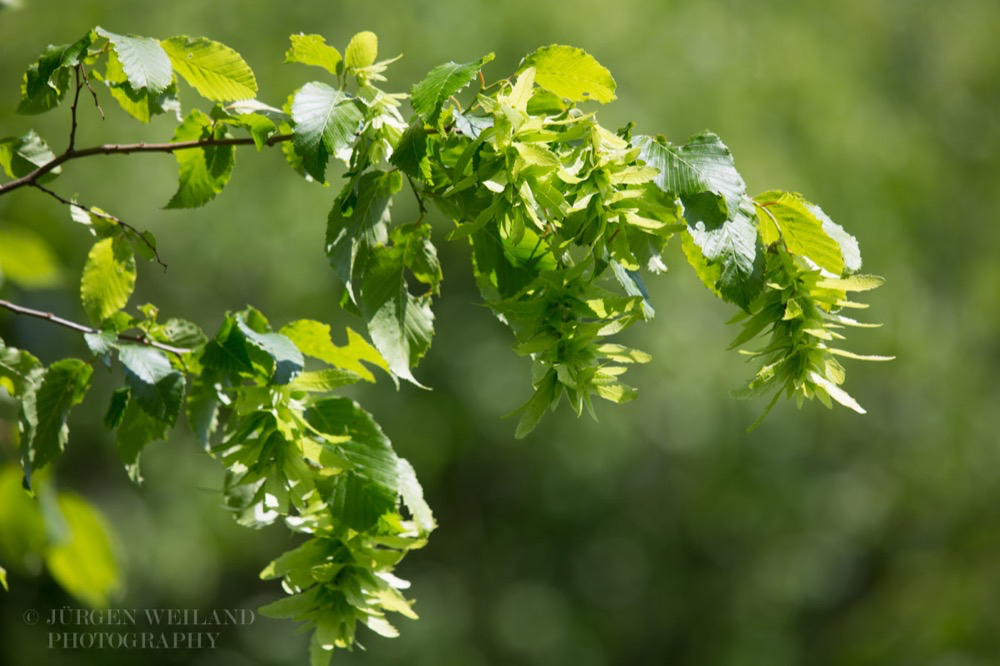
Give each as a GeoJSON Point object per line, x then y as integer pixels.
{"type": "Point", "coordinates": [126, 148]}
{"type": "Point", "coordinates": [106, 216]}
{"type": "Point", "coordinates": [124, 337]}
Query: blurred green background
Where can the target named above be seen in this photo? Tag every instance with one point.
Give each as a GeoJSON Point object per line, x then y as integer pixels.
{"type": "Point", "coordinates": [664, 534]}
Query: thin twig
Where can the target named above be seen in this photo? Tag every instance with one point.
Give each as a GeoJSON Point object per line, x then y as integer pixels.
{"type": "Point", "coordinates": [126, 148]}
{"type": "Point", "coordinates": [72, 108]}
{"type": "Point", "coordinates": [86, 80]}
{"type": "Point", "coordinates": [420, 200]}
{"type": "Point", "coordinates": [106, 216]}
{"type": "Point", "coordinates": [124, 337]}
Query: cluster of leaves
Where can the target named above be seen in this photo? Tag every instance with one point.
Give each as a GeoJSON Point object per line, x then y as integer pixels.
{"type": "Point", "coordinates": [564, 218]}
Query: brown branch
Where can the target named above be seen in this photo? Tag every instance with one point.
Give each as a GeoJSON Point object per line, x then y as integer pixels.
{"type": "Point", "coordinates": [72, 108]}
{"type": "Point", "coordinates": [126, 148]}
{"type": "Point", "coordinates": [124, 337]}
{"type": "Point", "coordinates": [106, 216]}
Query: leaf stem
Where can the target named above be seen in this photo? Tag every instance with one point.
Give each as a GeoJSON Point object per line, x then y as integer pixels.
{"type": "Point", "coordinates": [125, 337]}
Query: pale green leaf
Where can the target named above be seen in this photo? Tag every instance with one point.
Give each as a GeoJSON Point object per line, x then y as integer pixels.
{"type": "Point", "coordinates": [140, 103]}
{"type": "Point", "coordinates": [835, 392]}
{"type": "Point", "coordinates": [413, 495]}
{"type": "Point", "coordinates": [143, 59]}
{"type": "Point", "coordinates": [325, 121]}
{"type": "Point", "coordinates": [108, 278]}
{"type": "Point", "coordinates": [216, 71]}
{"type": "Point", "coordinates": [19, 157]}
{"type": "Point", "coordinates": [571, 73]}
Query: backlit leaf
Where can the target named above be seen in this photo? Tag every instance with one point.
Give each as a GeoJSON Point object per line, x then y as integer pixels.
{"type": "Point", "coordinates": [313, 50]}
{"type": "Point", "coordinates": [571, 73]}
{"type": "Point", "coordinates": [216, 71]}
{"type": "Point", "coordinates": [108, 278]}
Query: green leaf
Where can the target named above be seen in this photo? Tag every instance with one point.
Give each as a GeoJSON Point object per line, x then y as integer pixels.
{"type": "Point", "coordinates": [18, 369]}
{"type": "Point", "coordinates": [361, 495]}
{"type": "Point", "coordinates": [216, 71]}
{"type": "Point", "coordinates": [313, 50]}
{"type": "Point", "coordinates": [260, 127]}
{"type": "Point", "coordinates": [27, 260]}
{"type": "Point", "coordinates": [571, 73]}
{"type": "Point", "coordinates": [143, 59]}
{"type": "Point", "coordinates": [428, 96]}
{"type": "Point", "coordinates": [410, 155]}
{"type": "Point", "coordinates": [802, 231]}
{"type": "Point", "coordinates": [359, 220]}
{"type": "Point", "coordinates": [288, 361]}
{"type": "Point", "coordinates": [116, 408]}
{"type": "Point", "coordinates": [202, 172]}
{"type": "Point", "coordinates": [720, 216]}
{"type": "Point", "coordinates": [44, 409]}
{"type": "Point", "coordinates": [361, 51]}
{"type": "Point", "coordinates": [401, 324]}
{"type": "Point", "coordinates": [3, 579]}
{"type": "Point", "coordinates": [735, 247]}
{"type": "Point", "coordinates": [323, 381]}
{"type": "Point", "coordinates": [19, 157]}
{"type": "Point", "coordinates": [137, 429]}
{"type": "Point", "coordinates": [108, 278]}
{"type": "Point", "coordinates": [291, 607]}
{"type": "Point", "coordinates": [313, 338]}
{"type": "Point", "coordinates": [325, 121]}
{"type": "Point", "coordinates": [703, 165]}
{"type": "Point", "coordinates": [413, 495]}
{"type": "Point", "coordinates": [547, 391]}
{"type": "Point", "coordinates": [849, 248]}
{"type": "Point", "coordinates": [202, 409]}
{"type": "Point", "coordinates": [156, 386]}
{"type": "Point", "coordinates": [140, 103]}
{"type": "Point", "coordinates": [84, 564]}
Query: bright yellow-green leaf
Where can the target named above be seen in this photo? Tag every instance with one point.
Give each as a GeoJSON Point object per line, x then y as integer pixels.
{"type": "Point", "coordinates": [571, 73]}
{"type": "Point", "coordinates": [801, 230]}
{"type": "Point", "coordinates": [313, 50]}
{"type": "Point", "coordinates": [361, 51]}
{"type": "Point", "coordinates": [108, 278]}
{"type": "Point", "coordinates": [313, 339]}
{"type": "Point", "coordinates": [216, 71]}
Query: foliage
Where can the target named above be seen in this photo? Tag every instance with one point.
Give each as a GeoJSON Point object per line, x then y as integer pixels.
{"type": "Point", "coordinates": [563, 218]}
